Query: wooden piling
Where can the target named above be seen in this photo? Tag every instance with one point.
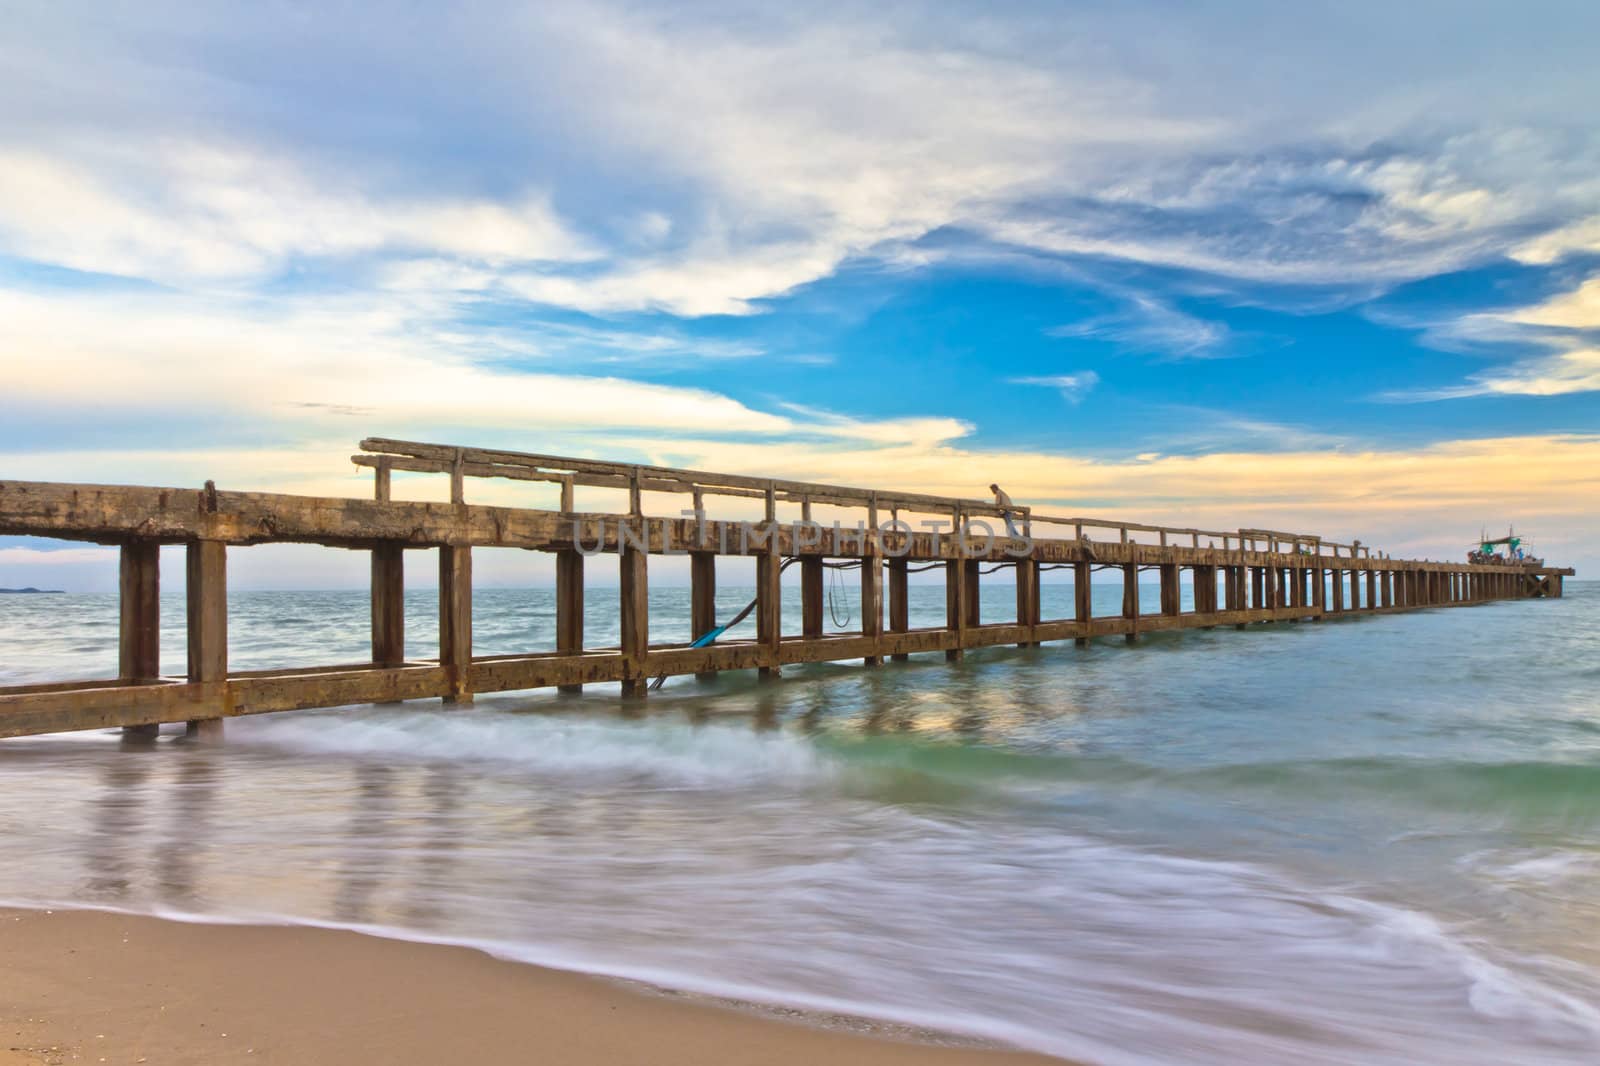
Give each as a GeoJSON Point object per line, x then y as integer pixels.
{"type": "Point", "coordinates": [1171, 594]}
{"type": "Point", "coordinates": [569, 607]}
{"type": "Point", "coordinates": [702, 599]}
{"type": "Point", "coordinates": [455, 621]}
{"type": "Point", "coordinates": [955, 605]}
{"type": "Point", "coordinates": [388, 598]}
{"type": "Point", "coordinates": [769, 609]}
{"type": "Point", "coordinates": [1027, 573]}
{"type": "Point", "coordinates": [1130, 600]}
{"type": "Point", "coordinates": [634, 604]}
{"type": "Point", "coordinates": [207, 599]}
{"type": "Point", "coordinates": [1082, 596]}
{"type": "Point", "coordinates": [899, 601]}
{"type": "Point", "coordinates": [811, 596]}
{"type": "Point", "coordinates": [872, 604]}
{"type": "Point", "coordinates": [139, 632]}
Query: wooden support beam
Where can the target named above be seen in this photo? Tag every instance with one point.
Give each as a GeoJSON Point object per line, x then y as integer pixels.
{"type": "Point", "coordinates": [207, 597]}
{"type": "Point", "coordinates": [1355, 590]}
{"type": "Point", "coordinates": [569, 607]}
{"type": "Point", "coordinates": [955, 606]}
{"type": "Point", "coordinates": [1082, 595]}
{"type": "Point", "coordinates": [972, 574]}
{"type": "Point", "coordinates": [388, 599]}
{"type": "Point", "coordinates": [811, 596]}
{"type": "Point", "coordinates": [1258, 588]}
{"type": "Point", "coordinates": [703, 599]}
{"type": "Point", "coordinates": [1338, 591]}
{"type": "Point", "coordinates": [455, 621]}
{"type": "Point", "coordinates": [139, 634]}
{"type": "Point", "coordinates": [1028, 598]}
{"type": "Point", "coordinates": [1372, 588]}
{"type": "Point", "coordinates": [634, 602]}
{"type": "Point", "coordinates": [1386, 587]}
{"type": "Point", "coordinates": [1171, 595]}
{"type": "Point", "coordinates": [769, 611]}
{"type": "Point", "coordinates": [872, 604]}
{"type": "Point", "coordinates": [899, 601]}
{"type": "Point", "coordinates": [1130, 600]}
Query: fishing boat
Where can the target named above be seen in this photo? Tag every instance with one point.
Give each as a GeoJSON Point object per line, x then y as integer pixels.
{"type": "Point", "coordinates": [1502, 551]}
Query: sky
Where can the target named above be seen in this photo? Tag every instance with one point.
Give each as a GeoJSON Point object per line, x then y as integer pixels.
{"type": "Point", "coordinates": [1332, 268]}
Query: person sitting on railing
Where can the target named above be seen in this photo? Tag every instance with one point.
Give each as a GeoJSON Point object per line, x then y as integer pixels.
{"type": "Point", "coordinates": [1007, 509]}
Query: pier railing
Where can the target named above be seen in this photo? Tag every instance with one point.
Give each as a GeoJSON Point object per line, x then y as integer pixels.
{"type": "Point", "coordinates": [1239, 578]}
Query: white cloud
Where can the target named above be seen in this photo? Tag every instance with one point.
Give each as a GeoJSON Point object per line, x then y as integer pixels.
{"type": "Point", "coordinates": [1073, 387]}
{"type": "Point", "coordinates": [187, 213]}
{"type": "Point", "coordinates": [1152, 327]}
{"type": "Point", "coordinates": [1562, 326]}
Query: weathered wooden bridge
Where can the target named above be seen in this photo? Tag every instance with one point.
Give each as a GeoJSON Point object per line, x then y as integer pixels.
{"type": "Point", "coordinates": [1262, 575]}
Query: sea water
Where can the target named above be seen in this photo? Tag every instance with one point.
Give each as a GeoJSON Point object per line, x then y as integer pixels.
{"type": "Point", "coordinates": [1367, 840]}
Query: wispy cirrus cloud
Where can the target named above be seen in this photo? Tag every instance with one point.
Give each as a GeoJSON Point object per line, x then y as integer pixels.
{"type": "Point", "coordinates": [1073, 387]}
{"type": "Point", "coordinates": [1152, 327]}
{"type": "Point", "coordinates": [1562, 333]}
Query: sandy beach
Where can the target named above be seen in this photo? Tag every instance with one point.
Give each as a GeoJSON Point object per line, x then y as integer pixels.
{"type": "Point", "coordinates": [93, 987]}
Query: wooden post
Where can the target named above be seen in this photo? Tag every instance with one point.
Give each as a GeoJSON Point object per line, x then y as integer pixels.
{"type": "Point", "coordinates": [872, 601]}
{"type": "Point", "coordinates": [1171, 595]}
{"type": "Point", "coordinates": [635, 616]}
{"type": "Point", "coordinates": [455, 620]}
{"type": "Point", "coordinates": [811, 595]}
{"type": "Point", "coordinates": [972, 573]}
{"type": "Point", "coordinates": [955, 606]}
{"type": "Point", "coordinates": [569, 606]}
{"type": "Point", "coordinates": [139, 636]}
{"type": "Point", "coordinates": [1372, 589]}
{"type": "Point", "coordinates": [769, 608]}
{"type": "Point", "coordinates": [1258, 585]}
{"type": "Point", "coordinates": [1386, 587]}
{"type": "Point", "coordinates": [1028, 599]}
{"type": "Point", "coordinates": [388, 604]}
{"type": "Point", "coordinates": [1319, 591]}
{"type": "Point", "coordinates": [702, 599]}
{"type": "Point", "coordinates": [1130, 600]}
{"type": "Point", "coordinates": [899, 608]}
{"type": "Point", "coordinates": [1338, 591]}
{"type": "Point", "coordinates": [1355, 590]}
{"type": "Point", "coordinates": [207, 568]}
{"type": "Point", "coordinates": [1082, 596]}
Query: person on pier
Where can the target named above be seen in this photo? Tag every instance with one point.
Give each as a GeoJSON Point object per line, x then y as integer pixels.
{"type": "Point", "coordinates": [1007, 509]}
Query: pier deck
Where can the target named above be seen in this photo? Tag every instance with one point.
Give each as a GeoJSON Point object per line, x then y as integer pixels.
{"type": "Point", "coordinates": [1240, 577]}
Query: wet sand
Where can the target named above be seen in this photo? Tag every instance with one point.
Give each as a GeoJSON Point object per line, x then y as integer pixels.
{"type": "Point", "coordinates": [92, 987]}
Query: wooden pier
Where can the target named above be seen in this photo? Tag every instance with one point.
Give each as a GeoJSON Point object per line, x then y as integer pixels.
{"type": "Point", "coordinates": [1240, 577]}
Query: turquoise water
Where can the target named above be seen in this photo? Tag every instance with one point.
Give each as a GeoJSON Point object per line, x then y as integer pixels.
{"type": "Point", "coordinates": [1372, 840]}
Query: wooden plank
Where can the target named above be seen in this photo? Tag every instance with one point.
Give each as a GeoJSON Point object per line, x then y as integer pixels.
{"type": "Point", "coordinates": [769, 610]}
{"type": "Point", "coordinates": [455, 620]}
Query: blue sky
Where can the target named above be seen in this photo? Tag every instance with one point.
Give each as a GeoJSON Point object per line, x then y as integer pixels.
{"type": "Point", "coordinates": [1242, 263]}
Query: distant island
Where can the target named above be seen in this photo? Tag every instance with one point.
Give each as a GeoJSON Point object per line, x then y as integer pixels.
{"type": "Point", "coordinates": [19, 592]}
